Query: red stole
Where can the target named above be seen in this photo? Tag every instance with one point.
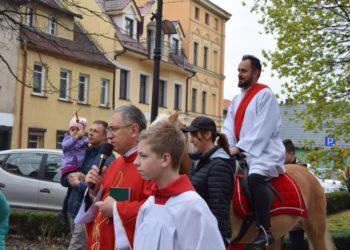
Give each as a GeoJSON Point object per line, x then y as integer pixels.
{"type": "Point", "coordinates": [239, 116]}
{"type": "Point", "coordinates": [121, 173]}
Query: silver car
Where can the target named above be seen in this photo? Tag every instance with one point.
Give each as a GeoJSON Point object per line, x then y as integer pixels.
{"type": "Point", "coordinates": [30, 178]}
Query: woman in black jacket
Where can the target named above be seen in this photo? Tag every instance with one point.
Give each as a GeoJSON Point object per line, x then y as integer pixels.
{"type": "Point", "coordinates": [212, 170]}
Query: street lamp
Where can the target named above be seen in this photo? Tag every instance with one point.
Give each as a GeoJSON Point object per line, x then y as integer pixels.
{"type": "Point", "coordinates": [157, 57]}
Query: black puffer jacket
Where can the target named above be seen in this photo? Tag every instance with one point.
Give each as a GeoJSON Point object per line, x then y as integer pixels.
{"type": "Point", "coordinates": [212, 177]}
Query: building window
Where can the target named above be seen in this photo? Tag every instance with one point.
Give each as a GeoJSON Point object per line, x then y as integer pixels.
{"type": "Point", "coordinates": [205, 58]}
{"type": "Point", "coordinates": [38, 79]}
{"type": "Point", "coordinates": [204, 102]}
{"type": "Point", "coordinates": [150, 43]}
{"type": "Point", "coordinates": [36, 137]}
{"type": "Point", "coordinates": [213, 103]}
{"type": "Point", "coordinates": [83, 89]}
{"type": "Point", "coordinates": [215, 62]}
{"type": "Point", "coordinates": [59, 138]}
{"type": "Point", "coordinates": [29, 16]}
{"type": "Point", "coordinates": [195, 53]}
{"type": "Point", "coordinates": [64, 84]}
{"type": "Point", "coordinates": [216, 24]}
{"type": "Point", "coordinates": [124, 83]}
{"type": "Point", "coordinates": [52, 25]}
{"type": "Point", "coordinates": [176, 46]}
{"type": "Point", "coordinates": [129, 27]}
{"type": "Point", "coordinates": [104, 93]}
{"type": "Point", "coordinates": [207, 18]}
{"type": "Point", "coordinates": [177, 97]}
{"type": "Point", "coordinates": [194, 100]}
{"type": "Point", "coordinates": [143, 96]}
{"type": "Point", "coordinates": [196, 13]}
{"type": "Point", "coordinates": [162, 93]}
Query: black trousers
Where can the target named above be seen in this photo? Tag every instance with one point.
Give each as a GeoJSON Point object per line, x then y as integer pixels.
{"type": "Point", "coordinates": [297, 239]}
{"type": "Point", "coordinates": [262, 199]}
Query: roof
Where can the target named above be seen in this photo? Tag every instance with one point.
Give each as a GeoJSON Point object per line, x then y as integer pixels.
{"type": "Point", "coordinates": [129, 42]}
{"type": "Point", "coordinates": [31, 150]}
{"type": "Point", "coordinates": [293, 130]}
{"type": "Point", "coordinates": [226, 104]}
{"type": "Point", "coordinates": [53, 4]}
{"type": "Point", "coordinates": [81, 48]}
{"type": "Point", "coordinates": [112, 5]}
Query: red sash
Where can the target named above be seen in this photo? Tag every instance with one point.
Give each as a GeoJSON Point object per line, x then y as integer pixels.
{"type": "Point", "coordinates": [239, 117]}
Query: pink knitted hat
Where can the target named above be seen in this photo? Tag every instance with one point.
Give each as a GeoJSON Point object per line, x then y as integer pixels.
{"type": "Point", "coordinates": [79, 122]}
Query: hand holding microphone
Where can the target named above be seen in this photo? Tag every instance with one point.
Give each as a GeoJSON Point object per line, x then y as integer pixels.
{"type": "Point", "coordinates": [106, 151]}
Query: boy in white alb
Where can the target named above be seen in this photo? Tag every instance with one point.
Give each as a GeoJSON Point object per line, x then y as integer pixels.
{"type": "Point", "coordinates": [175, 216]}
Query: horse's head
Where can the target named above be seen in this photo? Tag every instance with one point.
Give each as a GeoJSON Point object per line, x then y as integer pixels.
{"type": "Point", "coordinates": [174, 118]}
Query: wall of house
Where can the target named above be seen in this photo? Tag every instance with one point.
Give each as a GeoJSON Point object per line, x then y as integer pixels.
{"type": "Point", "coordinates": [9, 51]}
{"type": "Point", "coordinates": [168, 72]}
{"type": "Point", "coordinates": [98, 26]}
{"type": "Point", "coordinates": [211, 78]}
{"type": "Point", "coordinates": [50, 113]}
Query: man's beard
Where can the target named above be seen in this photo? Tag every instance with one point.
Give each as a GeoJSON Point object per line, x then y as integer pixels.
{"type": "Point", "coordinates": [244, 84]}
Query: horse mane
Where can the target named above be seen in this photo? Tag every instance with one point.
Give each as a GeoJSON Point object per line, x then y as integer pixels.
{"type": "Point", "coordinates": [174, 117]}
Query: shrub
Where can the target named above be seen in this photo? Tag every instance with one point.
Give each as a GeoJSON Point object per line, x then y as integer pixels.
{"type": "Point", "coordinates": [337, 202]}
{"type": "Point", "coordinates": [34, 224]}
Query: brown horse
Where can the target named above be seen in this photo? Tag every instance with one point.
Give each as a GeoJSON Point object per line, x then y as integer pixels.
{"type": "Point", "coordinates": [315, 225]}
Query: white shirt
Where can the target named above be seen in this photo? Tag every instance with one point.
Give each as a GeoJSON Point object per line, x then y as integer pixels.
{"type": "Point", "coordinates": [184, 222]}
{"type": "Point", "coordinates": [259, 136]}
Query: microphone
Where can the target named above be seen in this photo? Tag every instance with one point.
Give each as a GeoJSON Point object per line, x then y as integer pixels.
{"type": "Point", "coordinates": [106, 151]}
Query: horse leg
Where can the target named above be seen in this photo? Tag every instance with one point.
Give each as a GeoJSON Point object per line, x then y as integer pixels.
{"type": "Point", "coordinates": [276, 245]}
{"type": "Point", "coordinates": [316, 225]}
{"type": "Point", "coordinates": [319, 238]}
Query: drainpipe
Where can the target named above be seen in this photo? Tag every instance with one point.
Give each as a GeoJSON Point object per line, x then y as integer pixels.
{"type": "Point", "coordinates": [24, 80]}
{"type": "Point", "coordinates": [187, 84]}
{"type": "Point", "coordinates": [115, 76]}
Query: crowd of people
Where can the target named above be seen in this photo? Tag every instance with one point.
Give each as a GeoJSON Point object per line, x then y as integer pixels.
{"type": "Point", "coordinates": [163, 209]}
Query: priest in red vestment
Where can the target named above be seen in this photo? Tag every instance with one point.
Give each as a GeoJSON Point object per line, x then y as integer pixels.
{"type": "Point", "coordinates": [123, 128]}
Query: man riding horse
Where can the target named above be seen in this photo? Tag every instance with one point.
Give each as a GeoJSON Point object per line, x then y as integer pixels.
{"type": "Point", "coordinates": [252, 127]}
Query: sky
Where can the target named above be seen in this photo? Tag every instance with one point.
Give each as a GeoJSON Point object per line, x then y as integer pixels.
{"type": "Point", "coordinates": [244, 35]}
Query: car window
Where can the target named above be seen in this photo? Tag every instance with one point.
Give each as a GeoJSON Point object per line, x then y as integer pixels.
{"type": "Point", "coordinates": [24, 164]}
{"type": "Point", "coordinates": [52, 168]}
{"type": "Point", "coordinates": [2, 158]}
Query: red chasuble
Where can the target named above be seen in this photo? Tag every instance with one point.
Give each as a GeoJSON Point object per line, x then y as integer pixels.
{"type": "Point", "coordinates": [239, 116]}
{"type": "Point", "coordinates": [121, 173]}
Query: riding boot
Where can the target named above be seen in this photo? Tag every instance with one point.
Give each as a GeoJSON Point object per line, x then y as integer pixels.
{"type": "Point", "coordinates": [262, 199]}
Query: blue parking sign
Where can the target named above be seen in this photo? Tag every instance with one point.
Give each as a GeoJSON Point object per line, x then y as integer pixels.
{"type": "Point", "coordinates": [329, 141]}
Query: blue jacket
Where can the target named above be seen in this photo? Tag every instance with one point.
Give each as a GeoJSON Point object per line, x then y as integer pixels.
{"type": "Point", "coordinates": [4, 219]}
{"type": "Point", "coordinates": [73, 150]}
{"type": "Point", "coordinates": [92, 157]}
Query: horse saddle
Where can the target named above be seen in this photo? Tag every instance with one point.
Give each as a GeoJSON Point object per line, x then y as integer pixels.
{"type": "Point", "coordinates": [287, 199]}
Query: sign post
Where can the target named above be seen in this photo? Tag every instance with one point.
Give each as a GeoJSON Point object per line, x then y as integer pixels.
{"type": "Point", "coordinates": [329, 141]}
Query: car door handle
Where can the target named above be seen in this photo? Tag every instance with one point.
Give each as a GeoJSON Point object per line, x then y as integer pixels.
{"type": "Point", "coordinates": [45, 190]}
{"type": "Point", "coordinates": [2, 185]}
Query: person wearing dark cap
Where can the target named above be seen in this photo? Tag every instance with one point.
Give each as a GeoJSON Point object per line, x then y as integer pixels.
{"type": "Point", "coordinates": [212, 170]}
{"type": "Point", "coordinates": [296, 236]}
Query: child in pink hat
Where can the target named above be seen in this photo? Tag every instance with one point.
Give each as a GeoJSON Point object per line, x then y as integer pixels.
{"type": "Point", "coordinates": [74, 146]}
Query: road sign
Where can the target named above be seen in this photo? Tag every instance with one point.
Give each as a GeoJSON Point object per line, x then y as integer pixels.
{"type": "Point", "coordinates": [329, 141]}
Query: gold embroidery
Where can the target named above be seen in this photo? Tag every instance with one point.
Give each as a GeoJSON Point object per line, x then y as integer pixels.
{"type": "Point", "coordinates": [100, 219]}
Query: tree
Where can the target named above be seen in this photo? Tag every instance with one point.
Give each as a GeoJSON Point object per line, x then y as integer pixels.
{"type": "Point", "coordinates": [313, 50]}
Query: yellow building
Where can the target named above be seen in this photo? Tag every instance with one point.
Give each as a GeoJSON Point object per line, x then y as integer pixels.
{"type": "Point", "coordinates": [204, 26]}
{"type": "Point", "coordinates": [133, 37]}
{"type": "Point", "coordinates": [61, 71]}
{"type": "Point", "coordinates": [90, 58]}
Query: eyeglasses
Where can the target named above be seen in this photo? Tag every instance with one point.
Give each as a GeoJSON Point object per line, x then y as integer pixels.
{"type": "Point", "coordinates": [114, 129]}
